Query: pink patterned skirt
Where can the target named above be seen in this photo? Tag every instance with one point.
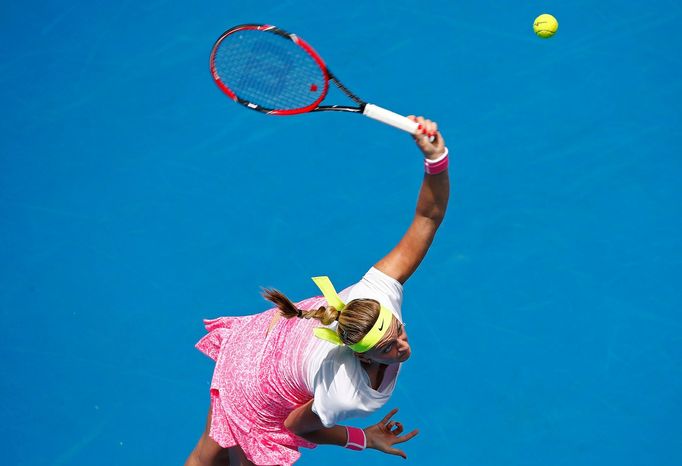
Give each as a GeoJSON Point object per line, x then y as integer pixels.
{"type": "Point", "coordinates": [259, 378]}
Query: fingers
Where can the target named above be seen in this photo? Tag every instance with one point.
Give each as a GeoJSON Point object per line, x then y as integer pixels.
{"type": "Point", "coordinates": [389, 416]}
{"type": "Point", "coordinates": [428, 138]}
{"type": "Point", "coordinates": [407, 437]}
{"type": "Point", "coordinates": [389, 432]}
{"type": "Point", "coordinates": [404, 438]}
{"type": "Point", "coordinates": [426, 127]}
{"type": "Point", "coordinates": [394, 428]}
{"type": "Point", "coordinates": [395, 451]}
{"type": "Point", "coordinates": [398, 429]}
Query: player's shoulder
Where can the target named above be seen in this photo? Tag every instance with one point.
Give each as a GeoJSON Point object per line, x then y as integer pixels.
{"type": "Point", "coordinates": [378, 277]}
{"type": "Point", "coordinates": [376, 284]}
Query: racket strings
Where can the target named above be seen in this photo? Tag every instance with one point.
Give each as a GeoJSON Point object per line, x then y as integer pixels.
{"type": "Point", "coordinates": [268, 70]}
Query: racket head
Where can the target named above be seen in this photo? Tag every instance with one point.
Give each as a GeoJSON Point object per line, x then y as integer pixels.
{"type": "Point", "coordinates": [269, 70]}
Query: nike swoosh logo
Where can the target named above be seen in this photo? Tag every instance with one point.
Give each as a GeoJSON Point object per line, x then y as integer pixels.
{"type": "Point", "coordinates": [381, 326]}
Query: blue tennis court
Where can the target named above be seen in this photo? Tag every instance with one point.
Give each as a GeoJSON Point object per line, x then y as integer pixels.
{"type": "Point", "coordinates": [136, 200]}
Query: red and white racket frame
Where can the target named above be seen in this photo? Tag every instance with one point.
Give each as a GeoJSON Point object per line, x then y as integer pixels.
{"type": "Point", "coordinates": [367, 109]}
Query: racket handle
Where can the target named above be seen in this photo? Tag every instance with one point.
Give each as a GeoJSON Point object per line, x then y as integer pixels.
{"type": "Point", "coordinates": [390, 118]}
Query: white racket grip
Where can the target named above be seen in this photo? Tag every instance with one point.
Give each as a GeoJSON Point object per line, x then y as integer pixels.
{"type": "Point", "coordinates": [390, 118]}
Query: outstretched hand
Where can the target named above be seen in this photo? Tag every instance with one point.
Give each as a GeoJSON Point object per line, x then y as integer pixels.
{"type": "Point", "coordinates": [386, 433]}
{"type": "Point", "coordinates": [428, 139]}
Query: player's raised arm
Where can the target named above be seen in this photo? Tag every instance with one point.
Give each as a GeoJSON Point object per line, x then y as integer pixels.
{"type": "Point", "coordinates": [404, 259]}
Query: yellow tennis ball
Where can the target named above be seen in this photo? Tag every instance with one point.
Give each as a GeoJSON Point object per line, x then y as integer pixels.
{"type": "Point", "coordinates": [545, 26]}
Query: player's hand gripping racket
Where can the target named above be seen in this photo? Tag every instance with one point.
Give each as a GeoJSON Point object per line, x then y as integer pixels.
{"type": "Point", "coordinates": [277, 73]}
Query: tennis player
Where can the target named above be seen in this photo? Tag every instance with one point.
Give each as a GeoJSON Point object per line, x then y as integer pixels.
{"type": "Point", "coordinates": [291, 376]}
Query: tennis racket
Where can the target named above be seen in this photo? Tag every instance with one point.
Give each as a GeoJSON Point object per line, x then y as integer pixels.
{"type": "Point", "coordinates": [277, 73]}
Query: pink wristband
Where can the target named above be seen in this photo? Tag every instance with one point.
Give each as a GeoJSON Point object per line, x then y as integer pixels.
{"type": "Point", "coordinates": [356, 439]}
{"type": "Point", "coordinates": [434, 167]}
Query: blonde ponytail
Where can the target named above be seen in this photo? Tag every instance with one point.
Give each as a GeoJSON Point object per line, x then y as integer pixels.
{"type": "Point", "coordinates": [357, 319]}
{"type": "Point", "coordinates": [325, 314]}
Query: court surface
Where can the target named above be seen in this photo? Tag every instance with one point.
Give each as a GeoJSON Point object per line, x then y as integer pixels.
{"type": "Point", "coordinates": [136, 200]}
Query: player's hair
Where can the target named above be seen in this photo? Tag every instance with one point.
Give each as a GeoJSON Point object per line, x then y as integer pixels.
{"type": "Point", "coordinates": [355, 321]}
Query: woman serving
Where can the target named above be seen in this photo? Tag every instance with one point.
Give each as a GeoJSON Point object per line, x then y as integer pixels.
{"type": "Point", "coordinates": [293, 375]}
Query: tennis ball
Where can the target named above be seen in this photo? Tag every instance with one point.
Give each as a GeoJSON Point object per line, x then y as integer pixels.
{"type": "Point", "coordinates": [545, 26]}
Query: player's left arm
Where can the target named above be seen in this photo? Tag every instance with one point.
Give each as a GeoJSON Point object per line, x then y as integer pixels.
{"type": "Point", "coordinates": [432, 203]}
{"type": "Point", "coordinates": [382, 436]}
{"type": "Point", "coordinates": [303, 422]}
